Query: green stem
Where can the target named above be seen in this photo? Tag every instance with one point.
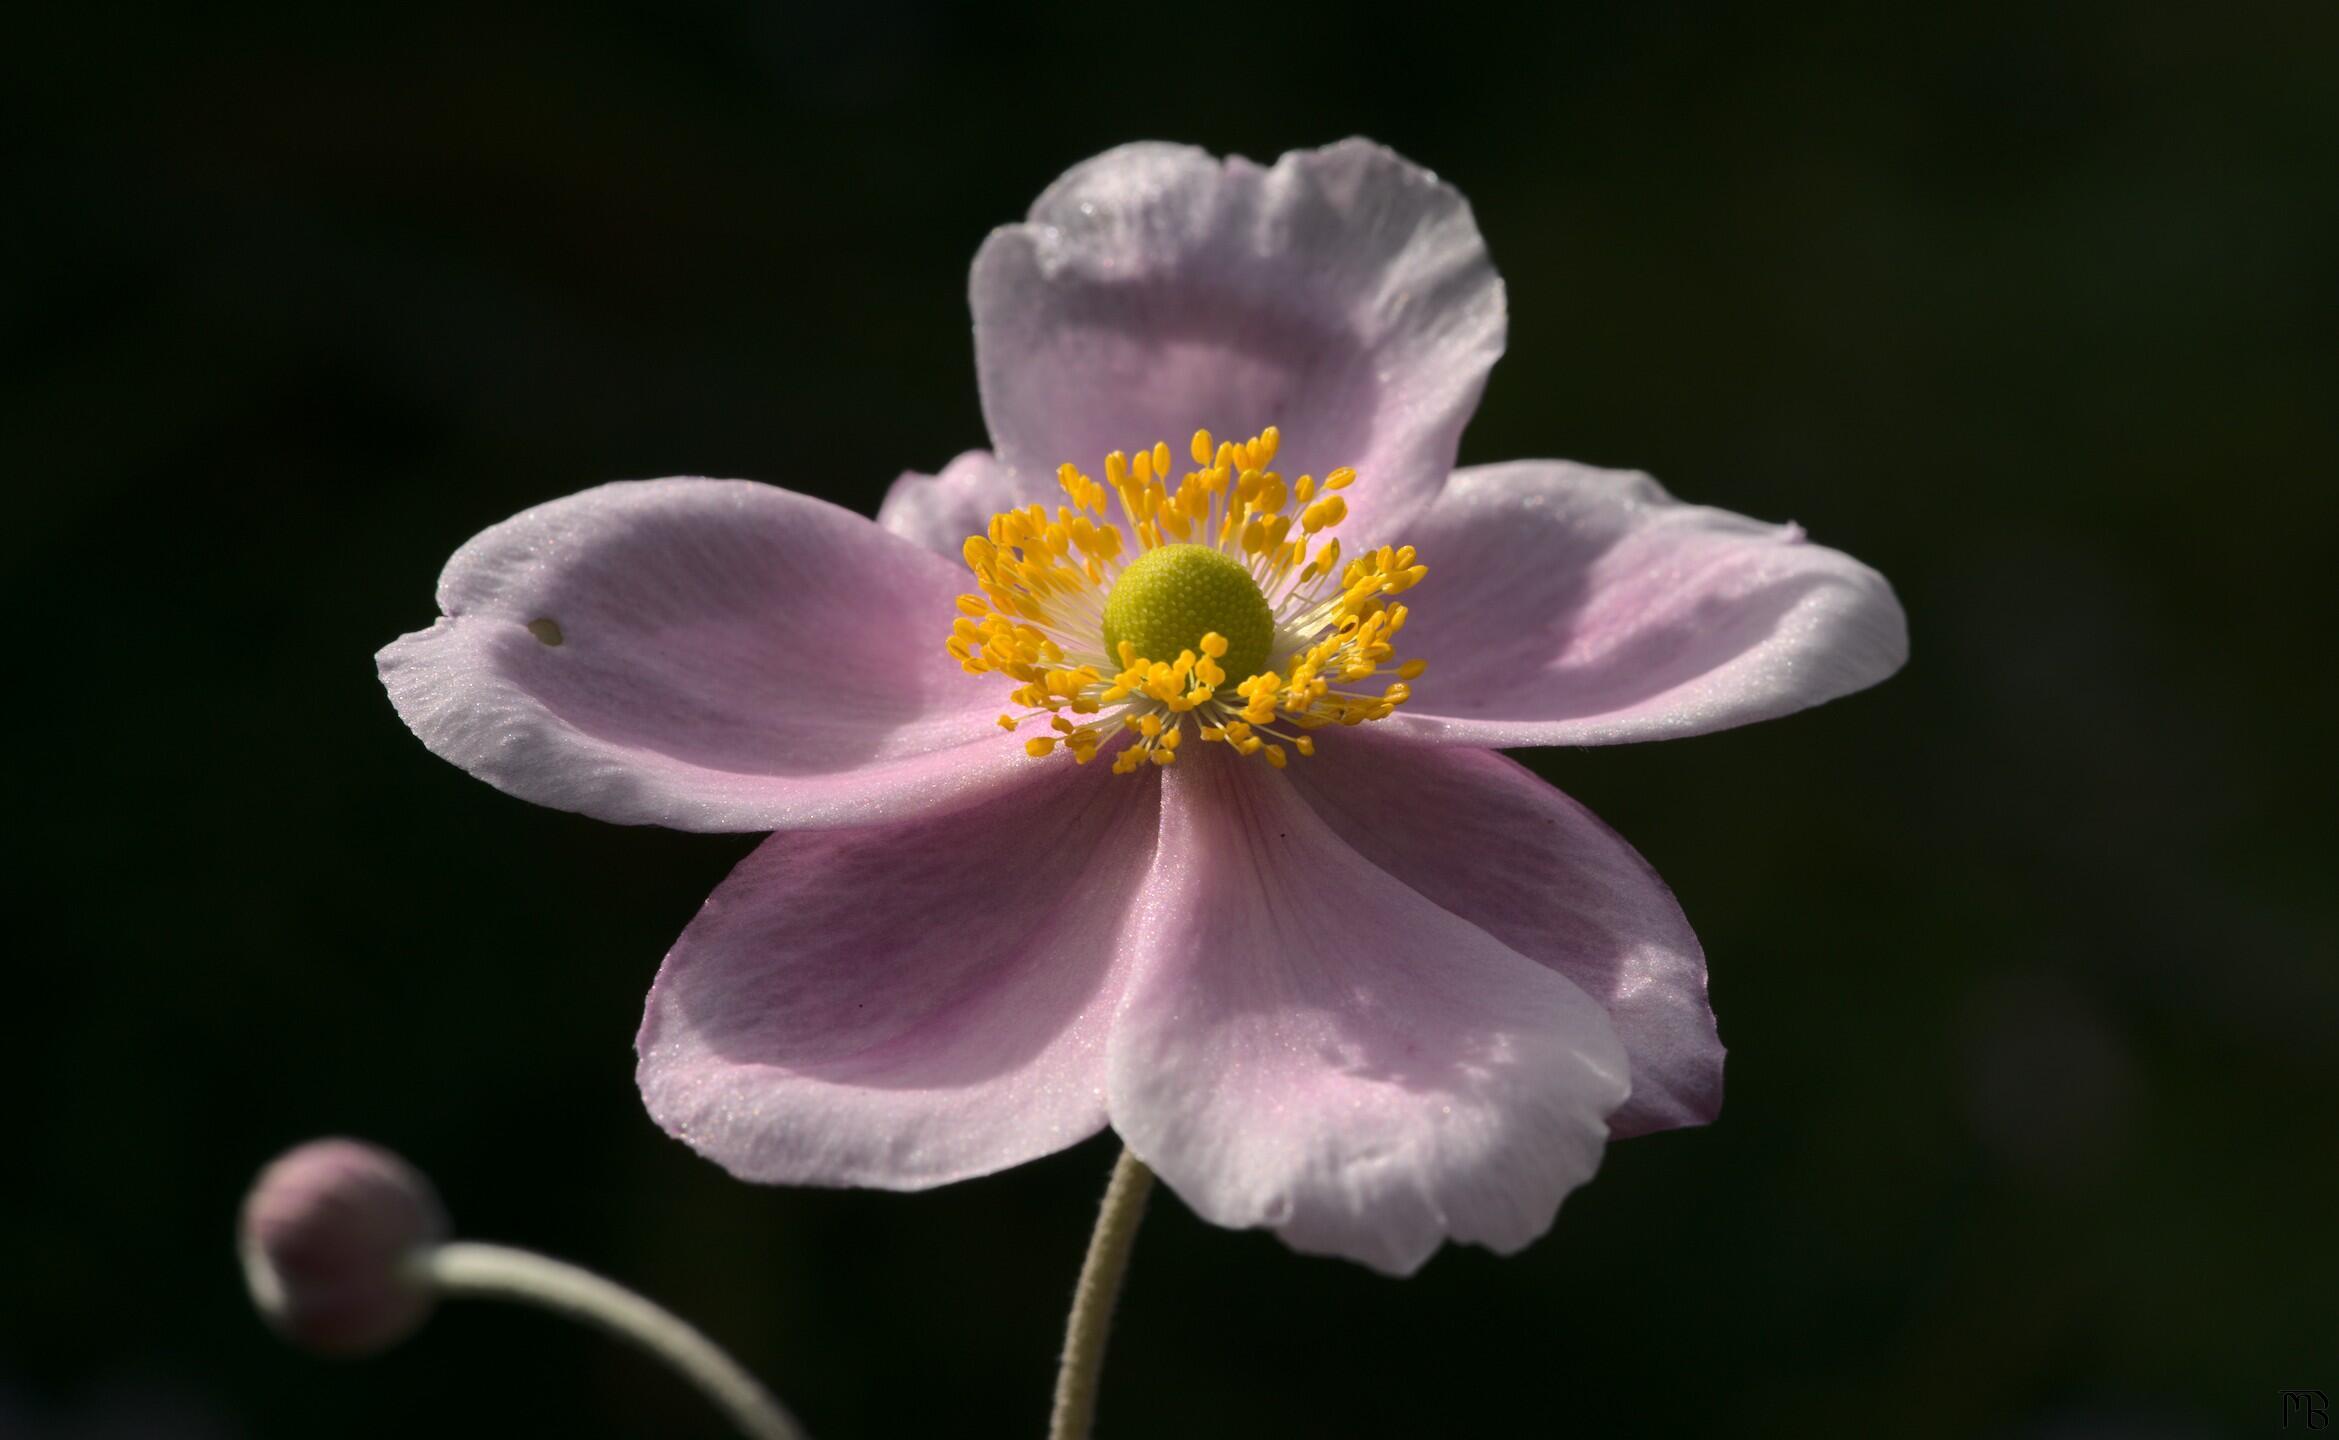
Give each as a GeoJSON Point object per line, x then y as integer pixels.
{"type": "Point", "coordinates": [1091, 1323]}
{"type": "Point", "coordinates": [501, 1273]}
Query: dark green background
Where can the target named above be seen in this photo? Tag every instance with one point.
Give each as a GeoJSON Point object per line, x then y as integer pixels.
{"type": "Point", "coordinates": [2025, 959]}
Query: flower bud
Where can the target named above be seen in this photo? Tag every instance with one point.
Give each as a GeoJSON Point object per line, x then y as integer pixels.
{"type": "Point", "coordinates": [327, 1235]}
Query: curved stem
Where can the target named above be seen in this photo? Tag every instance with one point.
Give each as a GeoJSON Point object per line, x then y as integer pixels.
{"type": "Point", "coordinates": [502, 1273]}
{"type": "Point", "coordinates": [1091, 1323]}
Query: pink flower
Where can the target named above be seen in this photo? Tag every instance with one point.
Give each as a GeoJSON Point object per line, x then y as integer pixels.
{"type": "Point", "coordinates": [1388, 993]}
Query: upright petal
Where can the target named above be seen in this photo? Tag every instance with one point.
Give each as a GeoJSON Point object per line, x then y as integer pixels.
{"type": "Point", "coordinates": [910, 1003]}
{"type": "Point", "coordinates": [705, 654]}
{"type": "Point", "coordinates": [1343, 294]}
{"type": "Point", "coordinates": [1309, 1045]}
{"type": "Point", "coordinates": [941, 511]}
{"type": "Point", "coordinates": [1480, 835]}
{"type": "Point", "coordinates": [1572, 606]}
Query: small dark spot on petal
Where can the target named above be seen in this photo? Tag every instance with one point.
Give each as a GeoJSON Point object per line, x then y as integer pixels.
{"type": "Point", "coordinates": [546, 629]}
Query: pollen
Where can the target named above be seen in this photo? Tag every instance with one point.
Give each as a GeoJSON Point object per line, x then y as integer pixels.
{"type": "Point", "coordinates": [1218, 603]}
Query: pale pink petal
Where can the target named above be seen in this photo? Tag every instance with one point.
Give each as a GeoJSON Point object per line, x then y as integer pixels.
{"type": "Point", "coordinates": [1309, 1045]}
{"type": "Point", "coordinates": [910, 1003]}
{"type": "Point", "coordinates": [705, 654]}
{"type": "Point", "coordinates": [1482, 836]}
{"type": "Point", "coordinates": [1343, 294]}
{"type": "Point", "coordinates": [1572, 606]}
{"type": "Point", "coordinates": [941, 511]}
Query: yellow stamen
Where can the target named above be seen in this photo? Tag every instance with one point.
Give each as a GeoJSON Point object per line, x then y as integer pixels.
{"type": "Point", "coordinates": [1219, 582]}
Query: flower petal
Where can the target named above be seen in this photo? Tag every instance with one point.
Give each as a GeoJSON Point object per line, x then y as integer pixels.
{"type": "Point", "coordinates": [1344, 295]}
{"type": "Point", "coordinates": [905, 1004]}
{"type": "Point", "coordinates": [1572, 606]}
{"type": "Point", "coordinates": [705, 654]}
{"type": "Point", "coordinates": [1307, 1044]}
{"type": "Point", "coordinates": [941, 511]}
{"type": "Point", "coordinates": [1484, 837]}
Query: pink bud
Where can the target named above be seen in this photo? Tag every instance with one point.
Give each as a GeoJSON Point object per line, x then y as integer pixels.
{"type": "Point", "coordinates": [328, 1232]}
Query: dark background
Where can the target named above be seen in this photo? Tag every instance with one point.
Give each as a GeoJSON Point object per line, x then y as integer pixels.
{"type": "Point", "coordinates": [2025, 959]}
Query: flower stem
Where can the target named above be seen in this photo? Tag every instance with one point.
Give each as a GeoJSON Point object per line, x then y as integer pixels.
{"type": "Point", "coordinates": [1091, 1323]}
{"type": "Point", "coordinates": [499, 1272]}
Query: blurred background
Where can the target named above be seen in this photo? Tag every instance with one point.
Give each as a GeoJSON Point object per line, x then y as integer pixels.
{"type": "Point", "coordinates": [2026, 959]}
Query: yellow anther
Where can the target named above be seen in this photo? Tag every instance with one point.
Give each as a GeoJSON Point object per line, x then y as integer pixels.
{"type": "Point", "coordinates": [1042, 581]}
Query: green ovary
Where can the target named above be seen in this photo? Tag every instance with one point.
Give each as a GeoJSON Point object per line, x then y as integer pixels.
{"type": "Point", "coordinates": [1172, 596]}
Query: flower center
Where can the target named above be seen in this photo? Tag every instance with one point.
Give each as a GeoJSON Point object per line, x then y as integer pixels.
{"type": "Point", "coordinates": [1227, 621]}
{"type": "Point", "coordinates": [1169, 598]}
